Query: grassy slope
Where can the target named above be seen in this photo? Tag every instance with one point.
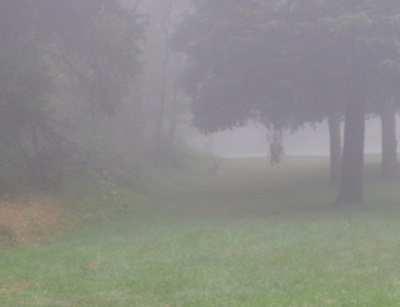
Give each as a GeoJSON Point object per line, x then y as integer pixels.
{"type": "Point", "coordinates": [252, 236]}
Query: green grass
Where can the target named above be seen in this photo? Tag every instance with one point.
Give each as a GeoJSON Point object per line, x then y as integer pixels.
{"type": "Point", "coordinates": [254, 235]}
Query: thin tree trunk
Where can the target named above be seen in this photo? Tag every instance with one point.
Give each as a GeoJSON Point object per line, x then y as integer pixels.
{"type": "Point", "coordinates": [335, 140]}
{"type": "Point", "coordinates": [164, 90]}
{"type": "Point", "coordinates": [176, 99]}
{"type": "Point", "coordinates": [351, 180]}
{"type": "Point", "coordinates": [389, 142]}
{"type": "Point", "coordinates": [163, 99]}
{"type": "Point", "coordinates": [173, 120]}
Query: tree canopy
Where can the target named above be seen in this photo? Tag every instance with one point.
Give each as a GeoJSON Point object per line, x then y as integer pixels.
{"type": "Point", "coordinates": [285, 63]}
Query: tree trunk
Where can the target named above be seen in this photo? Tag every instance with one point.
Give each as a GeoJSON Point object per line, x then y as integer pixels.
{"type": "Point", "coordinates": [161, 107]}
{"type": "Point", "coordinates": [351, 180]}
{"type": "Point", "coordinates": [389, 142]}
{"type": "Point", "coordinates": [176, 100]}
{"type": "Point", "coordinates": [164, 86]}
{"type": "Point", "coordinates": [173, 121]}
{"type": "Point", "coordinates": [335, 140]}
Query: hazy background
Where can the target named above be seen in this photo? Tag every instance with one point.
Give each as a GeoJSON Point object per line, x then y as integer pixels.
{"type": "Point", "coordinates": [252, 140]}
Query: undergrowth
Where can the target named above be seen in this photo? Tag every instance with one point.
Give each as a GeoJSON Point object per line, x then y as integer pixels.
{"type": "Point", "coordinates": [33, 220]}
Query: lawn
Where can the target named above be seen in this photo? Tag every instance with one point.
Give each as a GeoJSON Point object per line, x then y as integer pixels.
{"type": "Point", "coordinates": [254, 235]}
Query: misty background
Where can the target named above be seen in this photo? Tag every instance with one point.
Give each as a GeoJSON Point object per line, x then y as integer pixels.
{"type": "Point", "coordinates": [125, 87]}
{"type": "Point", "coordinates": [199, 153]}
{"type": "Point", "coordinates": [252, 141]}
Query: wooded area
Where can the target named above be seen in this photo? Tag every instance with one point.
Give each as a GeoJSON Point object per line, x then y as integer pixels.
{"type": "Point", "coordinates": [87, 89]}
{"type": "Point", "coordinates": [97, 87]}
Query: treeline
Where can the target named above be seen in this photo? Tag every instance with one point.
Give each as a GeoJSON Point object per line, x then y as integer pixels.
{"type": "Point", "coordinates": [84, 90]}
{"type": "Point", "coordinates": [288, 63]}
{"type": "Point", "coordinates": [95, 87]}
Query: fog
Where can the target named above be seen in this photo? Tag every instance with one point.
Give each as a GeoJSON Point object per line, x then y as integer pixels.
{"type": "Point", "coordinates": [83, 86]}
{"type": "Point", "coordinates": [251, 141]}
{"type": "Point", "coordinates": [121, 178]}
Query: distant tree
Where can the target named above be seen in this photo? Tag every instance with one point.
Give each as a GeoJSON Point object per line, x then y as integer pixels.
{"type": "Point", "coordinates": [162, 66]}
{"type": "Point", "coordinates": [385, 105]}
{"type": "Point", "coordinates": [390, 167]}
{"type": "Point", "coordinates": [55, 55]}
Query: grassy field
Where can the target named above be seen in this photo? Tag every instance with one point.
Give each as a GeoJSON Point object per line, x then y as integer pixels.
{"type": "Point", "coordinates": [254, 235]}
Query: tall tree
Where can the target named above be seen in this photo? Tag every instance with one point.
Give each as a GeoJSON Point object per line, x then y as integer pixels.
{"type": "Point", "coordinates": [255, 60]}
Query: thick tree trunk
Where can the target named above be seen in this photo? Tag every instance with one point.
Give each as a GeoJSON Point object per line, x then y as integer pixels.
{"type": "Point", "coordinates": [351, 180]}
{"type": "Point", "coordinates": [389, 142]}
{"type": "Point", "coordinates": [335, 140]}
